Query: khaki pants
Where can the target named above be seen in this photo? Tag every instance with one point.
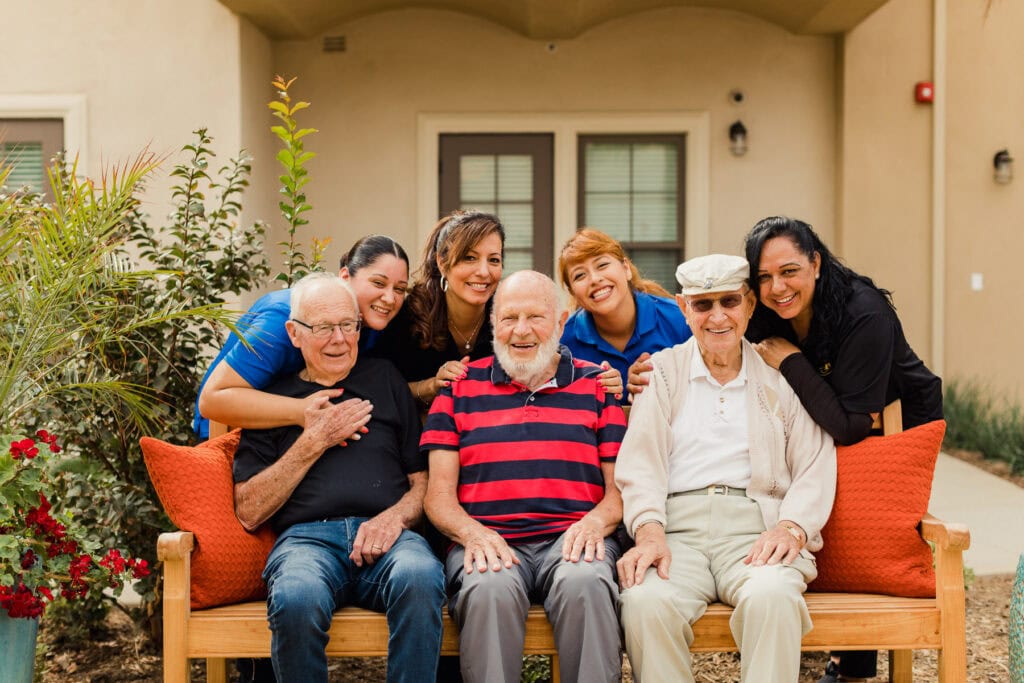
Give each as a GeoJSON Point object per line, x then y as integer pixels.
{"type": "Point", "coordinates": [709, 537]}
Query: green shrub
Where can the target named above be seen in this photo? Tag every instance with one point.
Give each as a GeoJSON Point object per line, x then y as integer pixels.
{"type": "Point", "coordinates": [978, 420]}
{"type": "Point", "coordinates": [198, 257]}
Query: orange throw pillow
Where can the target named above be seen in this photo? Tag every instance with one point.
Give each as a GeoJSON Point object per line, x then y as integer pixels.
{"type": "Point", "coordinates": [195, 486]}
{"type": "Point", "coordinates": [871, 540]}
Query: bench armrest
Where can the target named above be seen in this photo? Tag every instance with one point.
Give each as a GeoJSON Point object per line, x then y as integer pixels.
{"type": "Point", "coordinates": [174, 545]}
{"type": "Point", "coordinates": [945, 535]}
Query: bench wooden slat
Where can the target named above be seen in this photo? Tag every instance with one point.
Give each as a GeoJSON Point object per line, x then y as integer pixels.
{"type": "Point", "coordinates": [354, 632]}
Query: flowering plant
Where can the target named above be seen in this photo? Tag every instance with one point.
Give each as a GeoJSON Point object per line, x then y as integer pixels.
{"type": "Point", "coordinates": [43, 555]}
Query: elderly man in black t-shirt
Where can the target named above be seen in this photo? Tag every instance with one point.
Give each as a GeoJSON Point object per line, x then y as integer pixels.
{"type": "Point", "coordinates": [343, 493]}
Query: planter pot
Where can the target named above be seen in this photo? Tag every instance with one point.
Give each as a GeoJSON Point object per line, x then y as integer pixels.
{"type": "Point", "coordinates": [1017, 626]}
{"type": "Point", "coordinates": [17, 648]}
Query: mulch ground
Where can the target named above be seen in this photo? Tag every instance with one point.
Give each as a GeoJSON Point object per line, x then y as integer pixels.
{"type": "Point", "coordinates": [124, 653]}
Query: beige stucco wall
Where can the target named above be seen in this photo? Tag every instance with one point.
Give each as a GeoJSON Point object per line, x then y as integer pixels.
{"type": "Point", "coordinates": [143, 84]}
{"type": "Point", "coordinates": [885, 212]}
{"type": "Point", "coordinates": [402, 63]}
{"type": "Point", "coordinates": [985, 226]}
{"type": "Point", "coordinates": [885, 198]}
{"type": "Point", "coordinates": [256, 62]}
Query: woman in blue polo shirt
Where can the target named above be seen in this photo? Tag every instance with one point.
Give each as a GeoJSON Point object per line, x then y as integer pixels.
{"type": "Point", "coordinates": [621, 318]}
{"type": "Point", "coordinates": [376, 266]}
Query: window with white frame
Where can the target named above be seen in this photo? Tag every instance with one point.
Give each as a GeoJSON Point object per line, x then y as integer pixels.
{"type": "Point", "coordinates": [632, 188]}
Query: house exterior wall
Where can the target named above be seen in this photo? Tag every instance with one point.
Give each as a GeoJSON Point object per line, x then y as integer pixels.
{"type": "Point", "coordinates": [148, 73]}
{"type": "Point", "coordinates": [885, 196]}
{"type": "Point", "coordinates": [984, 220]}
{"type": "Point", "coordinates": [401, 64]}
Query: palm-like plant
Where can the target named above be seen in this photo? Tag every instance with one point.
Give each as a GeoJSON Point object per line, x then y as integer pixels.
{"type": "Point", "coordinates": [65, 296]}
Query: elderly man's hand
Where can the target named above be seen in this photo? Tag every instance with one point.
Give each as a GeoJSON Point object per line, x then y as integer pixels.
{"type": "Point", "coordinates": [774, 350]}
{"type": "Point", "coordinates": [315, 401]}
{"type": "Point", "coordinates": [638, 378]}
{"type": "Point", "coordinates": [328, 424]}
{"type": "Point", "coordinates": [375, 537]}
{"type": "Point", "coordinates": [772, 547]}
{"type": "Point", "coordinates": [610, 380]}
{"type": "Point", "coordinates": [584, 538]}
{"type": "Point", "coordinates": [651, 550]}
{"type": "Point", "coordinates": [486, 549]}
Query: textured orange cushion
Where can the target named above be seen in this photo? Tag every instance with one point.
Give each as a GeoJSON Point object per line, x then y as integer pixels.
{"type": "Point", "coordinates": [195, 486]}
{"type": "Point", "coordinates": [871, 540]}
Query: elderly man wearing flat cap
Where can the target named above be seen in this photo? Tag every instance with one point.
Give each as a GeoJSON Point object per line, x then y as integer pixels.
{"type": "Point", "coordinates": [726, 482]}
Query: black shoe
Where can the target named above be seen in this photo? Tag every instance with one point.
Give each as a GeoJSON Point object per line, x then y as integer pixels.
{"type": "Point", "coordinates": [831, 674]}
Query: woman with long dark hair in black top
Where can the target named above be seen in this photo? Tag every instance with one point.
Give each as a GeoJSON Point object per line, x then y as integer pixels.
{"type": "Point", "coordinates": [835, 336]}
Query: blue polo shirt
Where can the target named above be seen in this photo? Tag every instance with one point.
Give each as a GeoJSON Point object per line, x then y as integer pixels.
{"type": "Point", "coordinates": [659, 325]}
{"type": "Point", "coordinates": [272, 354]}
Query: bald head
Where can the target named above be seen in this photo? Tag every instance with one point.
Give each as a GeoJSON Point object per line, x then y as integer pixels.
{"type": "Point", "coordinates": [530, 283]}
{"type": "Point", "coordinates": [528, 321]}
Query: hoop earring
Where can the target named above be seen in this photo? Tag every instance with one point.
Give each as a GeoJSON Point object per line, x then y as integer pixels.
{"type": "Point", "coordinates": [444, 284]}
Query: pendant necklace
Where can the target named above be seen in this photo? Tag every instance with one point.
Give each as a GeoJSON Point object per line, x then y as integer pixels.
{"type": "Point", "coordinates": [467, 339]}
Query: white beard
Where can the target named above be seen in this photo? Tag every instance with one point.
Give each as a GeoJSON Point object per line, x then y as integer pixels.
{"type": "Point", "coordinates": [529, 372]}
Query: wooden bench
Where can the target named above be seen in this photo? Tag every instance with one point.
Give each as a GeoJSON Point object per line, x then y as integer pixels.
{"type": "Point", "coordinates": [842, 621]}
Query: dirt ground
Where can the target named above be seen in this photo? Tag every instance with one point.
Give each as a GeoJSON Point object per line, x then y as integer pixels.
{"type": "Point", "coordinates": [124, 655]}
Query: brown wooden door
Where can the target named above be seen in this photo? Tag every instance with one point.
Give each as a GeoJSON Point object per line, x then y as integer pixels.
{"type": "Point", "coordinates": [510, 175]}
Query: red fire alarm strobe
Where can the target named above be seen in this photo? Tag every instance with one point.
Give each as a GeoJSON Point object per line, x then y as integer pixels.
{"type": "Point", "coordinates": [924, 91]}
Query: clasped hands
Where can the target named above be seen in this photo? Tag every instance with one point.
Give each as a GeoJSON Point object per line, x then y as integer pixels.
{"type": "Point", "coordinates": [330, 424]}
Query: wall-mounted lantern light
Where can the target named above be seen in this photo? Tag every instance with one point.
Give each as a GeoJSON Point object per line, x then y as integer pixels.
{"type": "Point", "coordinates": [738, 139]}
{"type": "Point", "coordinates": [1003, 164]}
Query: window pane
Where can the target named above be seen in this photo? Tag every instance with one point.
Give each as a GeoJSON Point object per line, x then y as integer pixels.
{"type": "Point", "coordinates": [608, 213]}
{"type": "Point", "coordinates": [654, 218]}
{"type": "Point", "coordinates": [654, 167]}
{"type": "Point", "coordinates": [518, 222]}
{"type": "Point", "coordinates": [477, 178]}
{"type": "Point", "coordinates": [515, 178]}
{"type": "Point", "coordinates": [517, 260]}
{"type": "Point", "coordinates": [607, 167]}
{"type": "Point", "coordinates": [478, 206]}
{"type": "Point", "coordinates": [28, 165]}
{"type": "Point", "coordinates": [658, 265]}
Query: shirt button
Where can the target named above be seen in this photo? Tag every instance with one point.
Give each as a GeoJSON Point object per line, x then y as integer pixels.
{"type": "Point", "coordinates": [721, 399]}
{"type": "Point", "coordinates": [532, 397]}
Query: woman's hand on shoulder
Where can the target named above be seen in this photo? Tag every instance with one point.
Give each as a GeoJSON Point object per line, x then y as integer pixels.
{"type": "Point", "coordinates": [638, 378]}
{"type": "Point", "coordinates": [610, 380]}
{"type": "Point", "coordinates": [774, 350]}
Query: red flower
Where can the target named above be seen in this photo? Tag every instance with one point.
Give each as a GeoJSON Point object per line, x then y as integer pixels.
{"type": "Point", "coordinates": [25, 448]}
{"type": "Point", "coordinates": [113, 561]}
{"type": "Point", "coordinates": [48, 438]}
{"type": "Point", "coordinates": [140, 568]}
{"type": "Point", "coordinates": [20, 602]}
{"type": "Point", "coordinates": [28, 559]}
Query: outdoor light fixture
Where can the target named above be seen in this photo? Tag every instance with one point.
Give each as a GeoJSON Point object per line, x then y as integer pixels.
{"type": "Point", "coordinates": [738, 139]}
{"type": "Point", "coordinates": [1003, 164]}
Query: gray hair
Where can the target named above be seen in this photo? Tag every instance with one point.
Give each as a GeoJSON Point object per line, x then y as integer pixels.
{"type": "Point", "coordinates": [315, 281]}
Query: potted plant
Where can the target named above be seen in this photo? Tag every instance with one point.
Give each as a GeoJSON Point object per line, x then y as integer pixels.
{"type": "Point", "coordinates": [44, 555]}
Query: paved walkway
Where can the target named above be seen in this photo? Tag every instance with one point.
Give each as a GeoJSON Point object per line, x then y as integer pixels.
{"type": "Point", "coordinates": [991, 507]}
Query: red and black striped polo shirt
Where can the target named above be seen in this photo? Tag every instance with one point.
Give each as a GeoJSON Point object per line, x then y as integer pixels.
{"type": "Point", "coordinates": [529, 461]}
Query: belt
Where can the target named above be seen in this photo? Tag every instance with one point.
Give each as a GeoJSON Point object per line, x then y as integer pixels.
{"type": "Point", "coordinates": [713, 490]}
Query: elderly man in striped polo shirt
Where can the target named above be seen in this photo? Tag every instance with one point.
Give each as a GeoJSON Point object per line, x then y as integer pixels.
{"type": "Point", "coordinates": [522, 457]}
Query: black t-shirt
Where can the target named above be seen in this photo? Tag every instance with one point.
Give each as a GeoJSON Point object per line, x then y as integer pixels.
{"type": "Point", "coordinates": [871, 365]}
{"type": "Point", "coordinates": [358, 480]}
{"type": "Point", "coordinates": [397, 344]}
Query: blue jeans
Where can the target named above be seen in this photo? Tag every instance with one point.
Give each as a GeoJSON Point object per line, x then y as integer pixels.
{"type": "Point", "coordinates": [309, 575]}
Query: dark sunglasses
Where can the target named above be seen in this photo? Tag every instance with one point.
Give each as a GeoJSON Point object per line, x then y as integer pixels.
{"type": "Point", "coordinates": [726, 301]}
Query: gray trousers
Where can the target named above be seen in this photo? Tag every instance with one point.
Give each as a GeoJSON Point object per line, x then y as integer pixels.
{"type": "Point", "coordinates": [709, 536]}
{"type": "Point", "coordinates": [579, 598]}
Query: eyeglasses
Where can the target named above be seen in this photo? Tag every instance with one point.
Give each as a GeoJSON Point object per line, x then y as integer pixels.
{"type": "Point", "coordinates": [323, 330]}
{"type": "Point", "coordinates": [705, 305]}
